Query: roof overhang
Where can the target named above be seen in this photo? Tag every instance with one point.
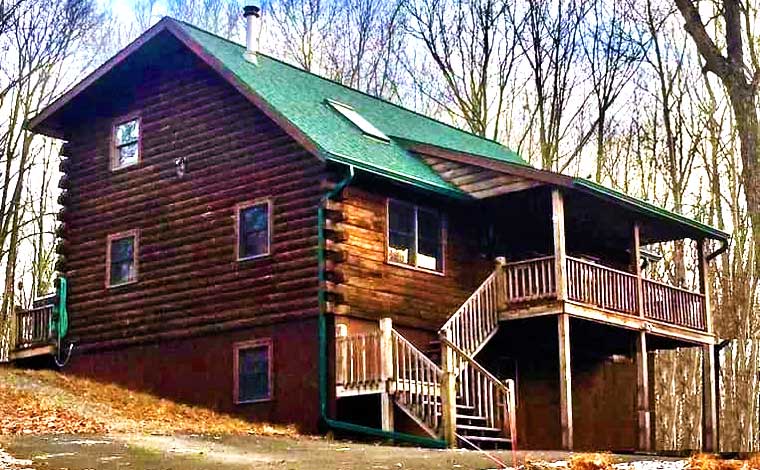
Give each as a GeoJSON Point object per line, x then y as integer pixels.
{"type": "Point", "coordinates": [679, 226]}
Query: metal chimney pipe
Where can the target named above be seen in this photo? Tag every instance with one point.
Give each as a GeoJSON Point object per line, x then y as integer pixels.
{"type": "Point", "coordinates": [252, 27]}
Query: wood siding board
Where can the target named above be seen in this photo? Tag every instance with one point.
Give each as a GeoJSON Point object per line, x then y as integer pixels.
{"type": "Point", "coordinates": [190, 282]}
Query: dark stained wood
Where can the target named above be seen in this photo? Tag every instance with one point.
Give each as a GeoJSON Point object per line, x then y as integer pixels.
{"type": "Point", "coordinates": [477, 181]}
{"type": "Point", "coordinates": [190, 281]}
{"type": "Point", "coordinates": [411, 297]}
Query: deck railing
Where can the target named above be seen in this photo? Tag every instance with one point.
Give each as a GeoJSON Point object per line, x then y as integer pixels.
{"type": "Point", "coordinates": [478, 317]}
{"type": "Point", "coordinates": [603, 287]}
{"type": "Point", "coordinates": [357, 361]}
{"type": "Point", "coordinates": [673, 305]}
{"type": "Point", "coordinates": [531, 280]}
{"type": "Point", "coordinates": [486, 395]}
{"type": "Point", "coordinates": [417, 382]}
{"type": "Point", "coordinates": [33, 326]}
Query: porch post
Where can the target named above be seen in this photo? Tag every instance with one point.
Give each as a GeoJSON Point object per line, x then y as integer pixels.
{"type": "Point", "coordinates": [642, 393]}
{"type": "Point", "coordinates": [386, 374]}
{"type": "Point", "coordinates": [704, 283]}
{"type": "Point", "coordinates": [709, 400]}
{"type": "Point", "coordinates": [448, 394]}
{"type": "Point", "coordinates": [636, 267]}
{"type": "Point", "coordinates": [558, 228]}
{"type": "Point", "coordinates": [565, 382]}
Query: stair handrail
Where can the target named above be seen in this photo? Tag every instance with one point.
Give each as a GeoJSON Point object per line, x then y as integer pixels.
{"type": "Point", "coordinates": [417, 383]}
{"type": "Point", "coordinates": [471, 326]}
{"type": "Point", "coordinates": [498, 406]}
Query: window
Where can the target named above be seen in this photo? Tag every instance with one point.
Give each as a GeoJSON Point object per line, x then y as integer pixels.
{"type": "Point", "coordinates": [415, 236]}
{"type": "Point", "coordinates": [253, 371]}
{"type": "Point", "coordinates": [121, 258]}
{"type": "Point", "coordinates": [358, 120]}
{"type": "Point", "coordinates": [253, 229]}
{"type": "Point", "coordinates": [126, 144]}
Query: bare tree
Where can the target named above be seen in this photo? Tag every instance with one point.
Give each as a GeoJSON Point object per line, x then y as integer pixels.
{"type": "Point", "coordinates": [741, 78]}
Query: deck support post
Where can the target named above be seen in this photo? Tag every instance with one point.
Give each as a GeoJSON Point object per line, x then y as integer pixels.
{"type": "Point", "coordinates": [709, 400]}
{"type": "Point", "coordinates": [558, 229]}
{"type": "Point", "coordinates": [448, 394]}
{"type": "Point", "coordinates": [642, 393]}
{"type": "Point", "coordinates": [565, 382]}
{"type": "Point", "coordinates": [386, 374]}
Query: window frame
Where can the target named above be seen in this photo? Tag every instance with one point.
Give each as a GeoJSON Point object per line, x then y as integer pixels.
{"type": "Point", "coordinates": [114, 149]}
{"type": "Point", "coordinates": [415, 208]}
{"type": "Point", "coordinates": [135, 233]}
{"type": "Point", "coordinates": [252, 344]}
{"type": "Point", "coordinates": [239, 208]}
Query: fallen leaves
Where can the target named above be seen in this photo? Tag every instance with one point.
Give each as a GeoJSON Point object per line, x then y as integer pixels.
{"type": "Point", "coordinates": [46, 402]}
{"type": "Point", "coordinates": [23, 413]}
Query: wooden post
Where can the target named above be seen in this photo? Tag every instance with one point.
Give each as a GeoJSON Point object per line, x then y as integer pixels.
{"type": "Point", "coordinates": [636, 268]}
{"type": "Point", "coordinates": [709, 400]}
{"type": "Point", "coordinates": [501, 283]}
{"type": "Point", "coordinates": [642, 393]}
{"type": "Point", "coordinates": [448, 394]}
{"type": "Point", "coordinates": [386, 374]}
{"type": "Point", "coordinates": [558, 229]}
{"type": "Point", "coordinates": [704, 283]}
{"type": "Point", "coordinates": [565, 382]}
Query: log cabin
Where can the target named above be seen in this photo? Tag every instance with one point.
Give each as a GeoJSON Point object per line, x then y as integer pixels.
{"type": "Point", "coordinates": [241, 234]}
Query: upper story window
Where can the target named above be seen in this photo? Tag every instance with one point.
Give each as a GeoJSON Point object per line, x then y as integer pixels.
{"type": "Point", "coordinates": [125, 150]}
{"type": "Point", "coordinates": [253, 371]}
{"type": "Point", "coordinates": [415, 236]}
{"type": "Point", "coordinates": [121, 258]}
{"type": "Point", "coordinates": [254, 229]}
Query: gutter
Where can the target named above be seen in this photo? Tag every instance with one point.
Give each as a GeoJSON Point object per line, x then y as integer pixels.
{"type": "Point", "coordinates": [323, 344]}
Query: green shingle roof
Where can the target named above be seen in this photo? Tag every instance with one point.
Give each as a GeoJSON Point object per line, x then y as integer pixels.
{"type": "Point", "coordinates": [301, 98]}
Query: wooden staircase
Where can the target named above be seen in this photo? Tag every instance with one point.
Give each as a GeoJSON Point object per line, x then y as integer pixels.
{"type": "Point", "coordinates": [459, 400]}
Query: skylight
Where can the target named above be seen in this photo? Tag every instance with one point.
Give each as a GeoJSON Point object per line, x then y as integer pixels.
{"type": "Point", "coordinates": [358, 120]}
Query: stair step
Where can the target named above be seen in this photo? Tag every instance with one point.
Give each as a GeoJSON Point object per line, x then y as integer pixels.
{"type": "Point", "coordinates": [471, 417]}
{"type": "Point", "coordinates": [503, 440]}
{"type": "Point", "coordinates": [469, 427]}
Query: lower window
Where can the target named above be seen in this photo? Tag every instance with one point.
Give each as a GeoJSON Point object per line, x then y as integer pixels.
{"type": "Point", "coordinates": [121, 258]}
{"type": "Point", "coordinates": [253, 371]}
{"type": "Point", "coordinates": [415, 236]}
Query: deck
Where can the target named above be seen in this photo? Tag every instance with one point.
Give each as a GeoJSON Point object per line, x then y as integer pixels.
{"type": "Point", "coordinates": [32, 332]}
{"type": "Point", "coordinates": [600, 293]}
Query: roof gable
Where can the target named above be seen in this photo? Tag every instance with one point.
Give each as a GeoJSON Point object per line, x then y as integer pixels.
{"type": "Point", "coordinates": [299, 102]}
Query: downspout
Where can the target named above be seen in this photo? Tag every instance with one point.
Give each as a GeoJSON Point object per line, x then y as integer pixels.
{"type": "Point", "coordinates": [323, 344]}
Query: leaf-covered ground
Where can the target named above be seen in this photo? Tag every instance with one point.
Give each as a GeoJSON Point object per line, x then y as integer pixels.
{"type": "Point", "coordinates": [46, 402]}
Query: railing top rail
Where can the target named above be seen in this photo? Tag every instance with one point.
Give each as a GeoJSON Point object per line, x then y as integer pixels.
{"type": "Point", "coordinates": [668, 286]}
{"type": "Point", "coordinates": [358, 335]}
{"type": "Point", "coordinates": [528, 261]}
{"type": "Point", "coordinates": [34, 309]}
{"type": "Point", "coordinates": [474, 364]}
{"type": "Point", "coordinates": [429, 362]}
{"type": "Point", "coordinates": [477, 292]}
{"type": "Point", "coordinates": [601, 266]}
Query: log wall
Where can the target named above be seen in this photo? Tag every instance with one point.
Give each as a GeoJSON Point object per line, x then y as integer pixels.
{"type": "Point", "coordinates": [190, 282]}
{"type": "Point", "coordinates": [372, 288]}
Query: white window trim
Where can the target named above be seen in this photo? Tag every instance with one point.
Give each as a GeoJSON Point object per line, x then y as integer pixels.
{"type": "Point", "coordinates": [416, 208]}
{"type": "Point", "coordinates": [256, 343]}
{"type": "Point", "coordinates": [135, 256]}
{"type": "Point", "coordinates": [270, 222]}
{"type": "Point", "coordinates": [113, 150]}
